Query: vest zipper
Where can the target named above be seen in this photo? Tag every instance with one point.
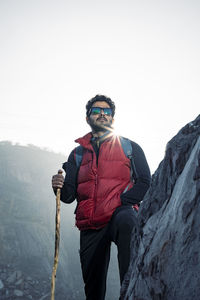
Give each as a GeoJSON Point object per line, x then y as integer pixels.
{"type": "Point", "coordinates": [95, 198]}
{"type": "Point", "coordinates": [95, 183]}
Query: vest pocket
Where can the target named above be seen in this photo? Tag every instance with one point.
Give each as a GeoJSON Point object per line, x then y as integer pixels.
{"type": "Point", "coordinates": [84, 210]}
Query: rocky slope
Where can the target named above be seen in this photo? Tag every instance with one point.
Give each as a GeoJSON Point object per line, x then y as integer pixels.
{"type": "Point", "coordinates": [165, 247]}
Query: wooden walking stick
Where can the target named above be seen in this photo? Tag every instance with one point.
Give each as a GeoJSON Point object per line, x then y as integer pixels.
{"type": "Point", "coordinates": [57, 241]}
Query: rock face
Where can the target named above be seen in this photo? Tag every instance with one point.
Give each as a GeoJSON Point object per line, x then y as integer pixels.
{"type": "Point", "coordinates": [165, 259]}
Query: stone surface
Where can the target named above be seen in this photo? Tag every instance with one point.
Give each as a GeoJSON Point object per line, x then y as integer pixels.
{"type": "Point", "coordinates": [165, 260]}
{"type": "Point", "coordinates": [18, 293]}
{"type": "Point", "coordinates": [1, 284]}
{"type": "Point", "coordinates": [21, 285]}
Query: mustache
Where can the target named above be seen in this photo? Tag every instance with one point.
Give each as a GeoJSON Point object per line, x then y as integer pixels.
{"type": "Point", "coordinates": [102, 118]}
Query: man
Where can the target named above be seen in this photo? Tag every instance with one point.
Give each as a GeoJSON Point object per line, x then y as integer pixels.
{"type": "Point", "coordinates": [107, 195]}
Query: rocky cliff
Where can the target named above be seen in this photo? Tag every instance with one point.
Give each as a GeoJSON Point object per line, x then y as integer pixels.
{"type": "Point", "coordinates": [165, 247]}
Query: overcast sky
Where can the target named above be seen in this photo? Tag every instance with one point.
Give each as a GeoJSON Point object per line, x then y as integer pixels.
{"type": "Point", "coordinates": [56, 55]}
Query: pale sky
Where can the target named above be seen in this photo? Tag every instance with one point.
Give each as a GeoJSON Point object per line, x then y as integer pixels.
{"type": "Point", "coordinates": [56, 55]}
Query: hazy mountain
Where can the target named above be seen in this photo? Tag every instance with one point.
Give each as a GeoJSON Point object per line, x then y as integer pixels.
{"type": "Point", "coordinates": [27, 229]}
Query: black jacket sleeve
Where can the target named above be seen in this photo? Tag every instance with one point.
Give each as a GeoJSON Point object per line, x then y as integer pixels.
{"type": "Point", "coordinates": [68, 191]}
{"type": "Point", "coordinates": [143, 178]}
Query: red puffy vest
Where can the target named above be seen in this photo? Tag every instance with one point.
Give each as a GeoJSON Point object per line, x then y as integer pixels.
{"type": "Point", "coordinates": [100, 186]}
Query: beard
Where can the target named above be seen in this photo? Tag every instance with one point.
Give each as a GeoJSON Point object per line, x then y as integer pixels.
{"type": "Point", "coordinates": [98, 127]}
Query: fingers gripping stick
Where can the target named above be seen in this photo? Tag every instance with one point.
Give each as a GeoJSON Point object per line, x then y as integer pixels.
{"type": "Point", "coordinates": [60, 172]}
{"type": "Point", "coordinates": [57, 240]}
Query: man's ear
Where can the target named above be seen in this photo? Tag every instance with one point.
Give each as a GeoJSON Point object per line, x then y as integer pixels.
{"type": "Point", "coordinates": [113, 121]}
{"type": "Point", "coordinates": [87, 120]}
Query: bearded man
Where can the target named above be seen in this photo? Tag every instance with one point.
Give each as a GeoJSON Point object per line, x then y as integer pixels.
{"type": "Point", "coordinates": [108, 182]}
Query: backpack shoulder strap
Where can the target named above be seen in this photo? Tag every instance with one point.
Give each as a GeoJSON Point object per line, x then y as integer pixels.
{"type": "Point", "coordinates": [126, 146]}
{"type": "Point", "coordinates": [78, 153]}
{"type": "Point", "coordinates": [128, 151]}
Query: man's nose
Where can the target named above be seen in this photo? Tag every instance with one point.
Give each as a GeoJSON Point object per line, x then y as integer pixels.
{"type": "Point", "coordinates": [102, 112]}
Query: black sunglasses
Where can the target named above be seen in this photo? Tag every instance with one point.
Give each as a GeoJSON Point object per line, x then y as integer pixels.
{"type": "Point", "coordinates": [97, 110]}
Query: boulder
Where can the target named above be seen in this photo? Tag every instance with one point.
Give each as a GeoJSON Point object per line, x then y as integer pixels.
{"type": "Point", "coordinates": [165, 256]}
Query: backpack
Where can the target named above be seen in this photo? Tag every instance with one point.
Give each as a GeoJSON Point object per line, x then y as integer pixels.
{"type": "Point", "coordinates": [128, 151]}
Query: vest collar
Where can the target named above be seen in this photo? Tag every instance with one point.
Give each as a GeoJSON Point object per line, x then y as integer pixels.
{"type": "Point", "coordinates": [85, 141]}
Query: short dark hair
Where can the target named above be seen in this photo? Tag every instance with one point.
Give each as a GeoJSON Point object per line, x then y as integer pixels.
{"type": "Point", "coordinates": [100, 98]}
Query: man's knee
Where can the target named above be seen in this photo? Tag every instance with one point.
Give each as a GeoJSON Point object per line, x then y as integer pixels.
{"type": "Point", "coordinates": [127, 218]}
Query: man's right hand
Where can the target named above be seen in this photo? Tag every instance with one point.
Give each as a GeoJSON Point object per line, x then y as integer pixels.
{"type": "Point", "coordinates": [57, 180]}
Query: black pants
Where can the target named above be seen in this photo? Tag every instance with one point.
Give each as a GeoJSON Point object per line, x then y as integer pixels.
{"type": "Point", "coordinates": [95, 251]}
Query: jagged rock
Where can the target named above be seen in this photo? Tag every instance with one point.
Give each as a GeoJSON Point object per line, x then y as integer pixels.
{"type": "Point", "coordinates": [29, 278]}
{"type": "Point", "coordinates": [19, 282]}
{"type": "Point", "coordinates": [18, 293]}
{"type": "Point", "coordinates": [1, 285]}
{"type": "Point", "coordinates": [165, 247]}
{"type": "Point", "coordinates": [14, 276]}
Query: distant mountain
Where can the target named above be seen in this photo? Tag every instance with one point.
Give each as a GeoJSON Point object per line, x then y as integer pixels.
{"type": "Point", "coordinates": [27, 229]}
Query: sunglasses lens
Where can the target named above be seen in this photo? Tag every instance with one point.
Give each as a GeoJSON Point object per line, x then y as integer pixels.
{"type": "Point", "coordinates": [95, 110]}
{"type": "Point", "coordinates": [107, 111]}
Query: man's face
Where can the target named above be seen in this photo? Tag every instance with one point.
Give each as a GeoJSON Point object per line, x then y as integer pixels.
{"type": "Point", "coordinates": [101, 121]}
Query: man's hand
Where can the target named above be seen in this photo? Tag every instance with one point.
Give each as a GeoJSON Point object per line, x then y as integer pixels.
{"type": "Point", "coordinates": [57, 181]}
